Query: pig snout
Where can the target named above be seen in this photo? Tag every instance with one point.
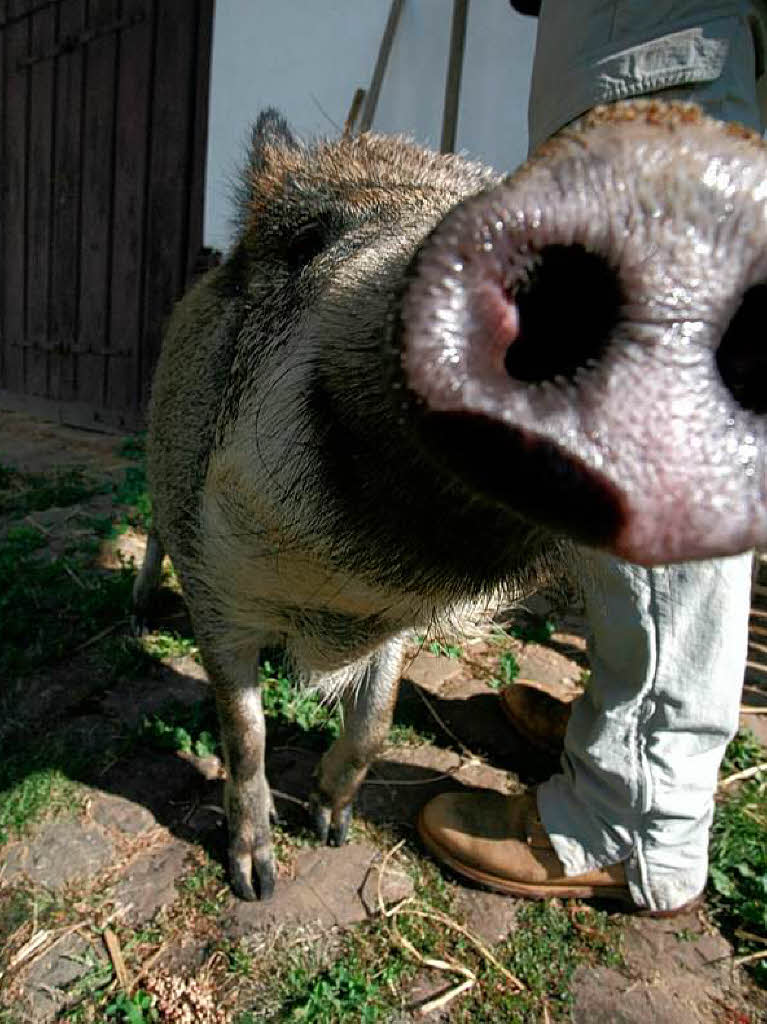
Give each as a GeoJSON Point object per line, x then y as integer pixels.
{"type": "Point", "coordinates": [585, 342]}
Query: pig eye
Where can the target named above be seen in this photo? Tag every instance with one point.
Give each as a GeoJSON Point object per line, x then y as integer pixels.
{"type": "Point", "coordinates": [308, 242]}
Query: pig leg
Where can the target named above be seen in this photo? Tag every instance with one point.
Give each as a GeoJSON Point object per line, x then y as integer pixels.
{"type": "Point", "coordinates": [368, 709]}
{"type": "Point", "coordinates": [247, 799]}
{"type": "Point", "coordinates": [146, 582]}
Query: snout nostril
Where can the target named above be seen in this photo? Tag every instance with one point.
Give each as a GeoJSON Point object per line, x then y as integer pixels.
{"type": "Point", "coordinates": [567, 308]}
{"type": "Point", "coordinates": [742, 354]}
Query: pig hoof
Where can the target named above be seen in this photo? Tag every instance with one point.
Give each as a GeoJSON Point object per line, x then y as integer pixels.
{"type": "Point", "coordinates": [241, 868]}
{"type": "Point", "coordinates": [139, 625]}
{"type": "Point", "coordinates": [339, 830]}
{"type": "Point", "coordinates": [320, 813]}
{"type": "Point", "coordinates": [266, 873]}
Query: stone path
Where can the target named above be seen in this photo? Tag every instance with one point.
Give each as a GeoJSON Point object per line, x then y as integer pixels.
{"type": "Point", "coordinates": [150, 827]}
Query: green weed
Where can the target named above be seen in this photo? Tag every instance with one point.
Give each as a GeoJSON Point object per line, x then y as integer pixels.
{"type": "Point", "coordinates": [205, 887]}
{"type": "Point", "coordinates": [133, 447]}
{"type": "Point", "coordinates": [36, 781]}
{"type": "Point", "coordinates": [744, 751]}
{"type": "Point", "coordinates": [132, 491]}
{"type": "Point", "coordinates": [534, 630]}
{"type": "Point", "coordinates": [509, 670]}
{"type": "Point", "coordinates": [444, 650]}
{"type": "Point", "coordinates": [738, 856]}
{"type": "Point", "coordinates": [125, 656]}
{"type": "Point", "coordinates": [191, 728]}
{"type": "Point", "coordinates": [135, 1009]}
{"type": "Point", "coordinates": [543, 952]}
{"type": "Point", "coordinates": [164, 644]}
{"type": "Point", "coordinates": [370, 978]}
{"type": "Point", "coordinates": [347, 990]}
{"type": "Point", "coordinates": [408, 735]}
{"type": "Point", "coordinates": [286, 700]}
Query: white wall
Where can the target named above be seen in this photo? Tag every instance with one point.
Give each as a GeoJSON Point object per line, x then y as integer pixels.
{"type": "Point", "coordinates": [307, 57]}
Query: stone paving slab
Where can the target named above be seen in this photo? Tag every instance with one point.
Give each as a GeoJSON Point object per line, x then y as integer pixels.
{"type": "Point", "coordinates": [430, 671]}
{"type": "Point", "coordinates": [116, 812]}
{"type": "Point", "coordinates": [149, 883]}
{"type": "Point", "coordinates": [61, 852]}
{"type": "Point", "coordinates": [44, 984]}
{"type": "Point", "coordinates": [331, 888]}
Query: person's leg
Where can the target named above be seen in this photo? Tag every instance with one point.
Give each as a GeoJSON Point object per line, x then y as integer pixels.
{"type": "Point", "coordinates": [630, 814]}
{"type": "Point", "coordinates": [644, 743]}
{"type": "Point", "coordinates": [668, 649]}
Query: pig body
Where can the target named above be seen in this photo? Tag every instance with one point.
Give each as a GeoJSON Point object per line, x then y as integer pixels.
{"type": "Point", "coordinates": [329, 458]}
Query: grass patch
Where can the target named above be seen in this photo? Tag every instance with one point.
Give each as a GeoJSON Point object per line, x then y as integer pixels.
{"type": "Point", "coordinates": [48, 607]}
{"type": "Point", "coordinates": [30, 793]}
{"type": "Point", "coordinates": [370, 976]}
{"type": "Point", "coordinates": [134, 1009]}
{"type": "Point", "coordinates": [286, 700]}
{"type": "Point", "coordinates": [738, 856]}
{"type": "Point", "coordinates": [22, 493]}
{"type": "Point", "coordinates": [132, 491]}
{"type": "Point", "coordinates": [133, 447]}
{"type": "Point", "coordinates": [508, 670]}
{"type": "Point", "coordinates": [38, 777]}
{"type": "Point", "coordinates": [404, 734]}
{"type": "Point", "coordinates": [205, 888]}
{"type": "Point", "coordinates": [533, 629]}
{"type": "Point", "coordinates": [444, 650]}
{"type": "Point", "coordinates": [191, 728]}
{"type": "Point", "coordinates": [165, 644]}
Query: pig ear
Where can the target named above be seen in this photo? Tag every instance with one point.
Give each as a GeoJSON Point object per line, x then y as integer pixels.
{"type": "Point", "coordinates": [270, 139]}
{"type": "Point", "coordinates": [270, 132]}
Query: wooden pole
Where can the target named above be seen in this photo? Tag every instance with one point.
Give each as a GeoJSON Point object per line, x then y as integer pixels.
{"type": "Point", "coordinates": [371, 99]}
{"type": "Point", "coordinates": [454, 71]}
{"type": "Point", "coordinates": [354, 110]}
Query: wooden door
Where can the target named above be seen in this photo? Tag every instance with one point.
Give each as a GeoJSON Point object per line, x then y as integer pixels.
{"type": "Point", "coordinates": [102, 161]}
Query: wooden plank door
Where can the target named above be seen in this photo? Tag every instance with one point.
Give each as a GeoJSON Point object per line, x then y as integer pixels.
{"type": "Point", "coordinates": [102, 150]}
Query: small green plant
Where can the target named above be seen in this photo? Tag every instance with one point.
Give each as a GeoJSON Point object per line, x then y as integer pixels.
{"type": "Point", "coordinates": [536, 629]}
{"type": "Point", "coordinates": [509, 670]}
{"type": "Point", "coordinates": [132, 491]}
{"type": "Point", "coordinates": [32, 785]}
{"type": "Point", "coordinates": [239, 960]}
{"type": "Point", "coordinates": [190, 728]}
{"type": "Point", "coordinates": [738, 855]}
{"type": "Point", "coordinates": [743, 751]}
{"type": "Point", "coordinates": [123, 657]}
{"type": "Point", "coordinates": [164, 644]}
{"type": "Point", "coordinates": [350, 989]}
{"type": "Point", "coordinates": [444, 650]}
{"type": "Point", "coordinates": [136, 1009]}
{"type": "Point", "coordinates": [205, 887]}
{"type": "Point", "coordinates": [402, 735]}
{"type": "Point", "coordinates": [133, 447]}
{"type": "Point", "coordinates": [287, 700]}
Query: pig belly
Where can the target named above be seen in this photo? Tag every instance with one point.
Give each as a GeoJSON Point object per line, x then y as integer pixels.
{"type": "Point", "coordinates": [268, 592]}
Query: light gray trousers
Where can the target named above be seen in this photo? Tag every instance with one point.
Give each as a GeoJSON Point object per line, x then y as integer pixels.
{"type": "Point", "coordinates": [645, 742]}
{"type": "Point", "coordinates": [668, 645]}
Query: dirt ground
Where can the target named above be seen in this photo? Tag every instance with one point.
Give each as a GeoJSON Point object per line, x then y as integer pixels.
{"type": "Point", "coordinates": [148, 824]}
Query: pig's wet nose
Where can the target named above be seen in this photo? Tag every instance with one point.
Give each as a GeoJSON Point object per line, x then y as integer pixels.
{"type": "Point", "coordinates": [741, 356]}
{"type": "Point", "coordinates": [566, 309]}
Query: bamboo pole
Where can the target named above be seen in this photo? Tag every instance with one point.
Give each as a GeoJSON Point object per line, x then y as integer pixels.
{"type": "Point", "coordinates": [454, 72]}
{"type": "Point", "coordinates": [371, 98]}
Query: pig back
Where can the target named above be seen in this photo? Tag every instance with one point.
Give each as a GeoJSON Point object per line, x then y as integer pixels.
{"type": "Point", "coordinates": [187, 391]}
